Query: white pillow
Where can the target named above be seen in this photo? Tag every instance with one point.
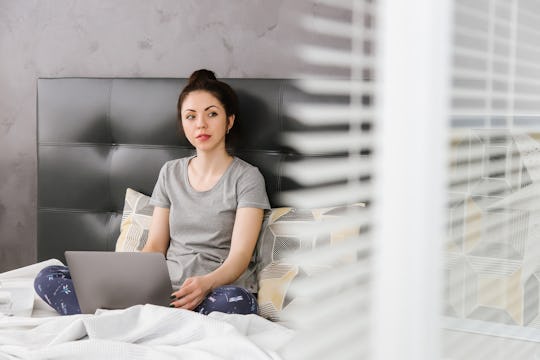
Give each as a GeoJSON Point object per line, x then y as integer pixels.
{"type": "Point", "coordinates": [136, 220]}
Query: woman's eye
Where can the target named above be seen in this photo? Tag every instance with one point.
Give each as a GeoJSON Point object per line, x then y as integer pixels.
{"type": "Point", "coordinates": [190, 117]}
{"type": "Point", "coordinates": [212, 114]}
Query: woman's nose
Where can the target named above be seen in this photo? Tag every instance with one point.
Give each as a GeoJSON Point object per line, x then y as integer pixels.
{"type": "Point", "coordinates": [201, 122]}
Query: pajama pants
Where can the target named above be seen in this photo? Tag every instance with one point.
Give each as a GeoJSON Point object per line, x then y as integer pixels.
{"type": "Point", "coordinates": [54, 285]}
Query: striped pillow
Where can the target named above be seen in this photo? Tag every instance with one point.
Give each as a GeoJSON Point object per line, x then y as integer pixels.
{"type": "Point", "coordinates": [286, 231]}
{"type": "Point", "coordinates": [136, 220]}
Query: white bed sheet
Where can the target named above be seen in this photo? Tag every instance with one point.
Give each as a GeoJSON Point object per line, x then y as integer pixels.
{"type": "Point", "coordinates": [139, 332]}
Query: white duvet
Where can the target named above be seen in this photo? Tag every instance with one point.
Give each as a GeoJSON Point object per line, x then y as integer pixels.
{"type": "Point", "coordinates": [139, 332]}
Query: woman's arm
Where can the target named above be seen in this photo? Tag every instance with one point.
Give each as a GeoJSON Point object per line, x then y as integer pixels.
{"type": "Point", "coordinates": [159, 234]}
{"type": "Point", "coordinates": [244, 238]}
{"type": "Point", "coordinates": [246, 229]}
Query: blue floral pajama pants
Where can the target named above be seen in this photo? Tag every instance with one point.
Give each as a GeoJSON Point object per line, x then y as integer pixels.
{"type": "Point", "coordinates": [54, 285]}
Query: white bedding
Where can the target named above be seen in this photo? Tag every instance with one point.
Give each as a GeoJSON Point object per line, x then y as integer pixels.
{"type": "Point", "coordinates": [139, 332]}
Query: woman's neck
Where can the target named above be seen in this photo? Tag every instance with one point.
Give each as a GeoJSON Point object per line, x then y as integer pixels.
{"type": "Point", "coordinates": [211, 163]}
{"type": "Point", "coordinates": [205, 171]}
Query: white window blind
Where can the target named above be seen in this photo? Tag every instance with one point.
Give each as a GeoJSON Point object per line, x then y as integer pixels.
{"type": "Point", "coordinates": [492, 251]}
{"type": "Point", "coordinates": [379, 156]}
{"type": "Point", "coordinates": [335, 170]}
{"type": "Point", "coordinates": [441, 126]}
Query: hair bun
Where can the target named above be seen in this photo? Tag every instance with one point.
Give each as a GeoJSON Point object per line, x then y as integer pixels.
{"type": "Point", "coordinates": [201, 76]}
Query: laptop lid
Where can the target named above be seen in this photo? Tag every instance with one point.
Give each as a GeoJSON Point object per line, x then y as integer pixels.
{"type": "Point", "coordinates": [117, 280]}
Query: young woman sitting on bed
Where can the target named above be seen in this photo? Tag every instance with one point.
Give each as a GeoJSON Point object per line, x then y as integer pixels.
{"type": "Point", "coordinates": [207, 216]}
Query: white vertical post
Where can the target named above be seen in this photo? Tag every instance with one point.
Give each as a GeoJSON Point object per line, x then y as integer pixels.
{"type": "Point", "coordinates": [410, 177]}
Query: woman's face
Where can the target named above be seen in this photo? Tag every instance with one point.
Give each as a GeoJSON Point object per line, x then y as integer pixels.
{"type": "Point", "coordinates": [204, 121]}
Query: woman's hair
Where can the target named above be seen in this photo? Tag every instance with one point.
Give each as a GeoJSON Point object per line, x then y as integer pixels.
{"type": "Point", "coordinates": [205, 80]}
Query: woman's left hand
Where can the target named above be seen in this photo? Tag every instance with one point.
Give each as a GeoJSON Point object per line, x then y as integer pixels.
{"type": "Point", "coordinates": [191, 293]}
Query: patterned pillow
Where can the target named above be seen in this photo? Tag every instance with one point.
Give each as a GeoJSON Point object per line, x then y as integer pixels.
{"type": "Point", "coordinates": [283, 233]}
{"type": "Point", "coordinates": [136, 220]}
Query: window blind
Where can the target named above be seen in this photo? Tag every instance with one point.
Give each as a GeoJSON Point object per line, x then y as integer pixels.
{"type": "Point", "coordinates": [334, 167]}
{"type": "Point", "coordinates": [415, 101]}
{"type": "Point", "coordinates": [492, 255]}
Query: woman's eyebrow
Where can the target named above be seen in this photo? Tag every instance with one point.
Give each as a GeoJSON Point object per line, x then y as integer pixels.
{"type": "Point", "coordinates": [204, 109]}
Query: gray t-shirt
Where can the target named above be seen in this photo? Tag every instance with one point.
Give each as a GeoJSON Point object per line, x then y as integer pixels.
{"type": "Point", "coordinates": [201, 222]}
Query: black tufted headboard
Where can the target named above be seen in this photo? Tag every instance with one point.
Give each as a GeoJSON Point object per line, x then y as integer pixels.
{"type": "Point", "coordinates": [98, 136]}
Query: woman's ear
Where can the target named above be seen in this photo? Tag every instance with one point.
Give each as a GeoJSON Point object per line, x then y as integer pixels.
{"type": "Point", "coordinates": [230, 122]}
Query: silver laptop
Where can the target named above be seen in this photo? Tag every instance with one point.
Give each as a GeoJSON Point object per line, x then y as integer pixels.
{"type": "Point", "coordinates": [117, 280]}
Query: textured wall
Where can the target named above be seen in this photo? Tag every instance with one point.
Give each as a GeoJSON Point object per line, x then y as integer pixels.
{"type": "Point", "coordinates": [122, 38]}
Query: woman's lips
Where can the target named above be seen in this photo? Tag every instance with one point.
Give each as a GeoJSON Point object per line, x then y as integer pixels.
{"type": "Point", "coordinates": [203, 137]}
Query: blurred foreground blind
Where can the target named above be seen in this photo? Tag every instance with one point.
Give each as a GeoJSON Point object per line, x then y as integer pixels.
{"type": "Point", "coordinates": [492, 269]}
{"type": "Point", "coordinates": [332, 143]}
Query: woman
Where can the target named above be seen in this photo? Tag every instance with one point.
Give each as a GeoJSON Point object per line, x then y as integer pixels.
{"type": "Point", "coordinates": [208, 210]}
{"type": "Point", "coordinates": [208, 207]}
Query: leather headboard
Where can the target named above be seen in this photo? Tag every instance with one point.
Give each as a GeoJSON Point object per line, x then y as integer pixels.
{"type": "Point", "coordinates": [98, 136]}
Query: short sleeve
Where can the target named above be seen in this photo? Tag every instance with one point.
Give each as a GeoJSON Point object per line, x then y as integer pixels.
{"type": "Point", "coordinates": [160, 196]}
{"type": "Point", "coordinates": [251, 190]}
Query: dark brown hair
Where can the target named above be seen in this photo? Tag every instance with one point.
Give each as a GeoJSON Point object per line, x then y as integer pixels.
{"type": "Point", "coordinates": [205, 80]}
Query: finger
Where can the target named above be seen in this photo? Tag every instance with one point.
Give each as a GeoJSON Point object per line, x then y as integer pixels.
{"type": "Point", "coordinates": [184, 290]}
{"type": "Point", "coordinates": [176, 298]}
{"type": "Point", "coordinates": [192, 305]}
{"type": "Point", "coordinates": [184, 301]}
{"type": "Point", "coordinates": [187, 282]}
{"type": "Point", "coordinates": [177, 303]}
{"type": "Point", "coordinates": [185, 298]}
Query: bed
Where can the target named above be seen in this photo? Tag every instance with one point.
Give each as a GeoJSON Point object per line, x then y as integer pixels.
{"type": "Point", "coordinates": [99, 137]}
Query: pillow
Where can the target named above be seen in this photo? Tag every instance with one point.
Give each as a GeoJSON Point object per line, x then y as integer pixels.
{"type": "Point", "coordinates": [284, 232]}
{"type": "Point", "coordinates": [136, 220]}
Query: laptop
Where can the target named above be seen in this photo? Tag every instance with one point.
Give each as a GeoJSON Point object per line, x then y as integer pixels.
{"type": "Point", "coordinates": [118, 280]}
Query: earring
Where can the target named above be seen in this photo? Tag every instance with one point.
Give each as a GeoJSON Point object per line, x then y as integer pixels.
{"type": "Point", "coordinates": [229, 129]}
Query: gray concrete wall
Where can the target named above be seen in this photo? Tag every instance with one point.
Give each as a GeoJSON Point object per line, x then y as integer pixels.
{"type": "Point", "coordinates": [124, 38]}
